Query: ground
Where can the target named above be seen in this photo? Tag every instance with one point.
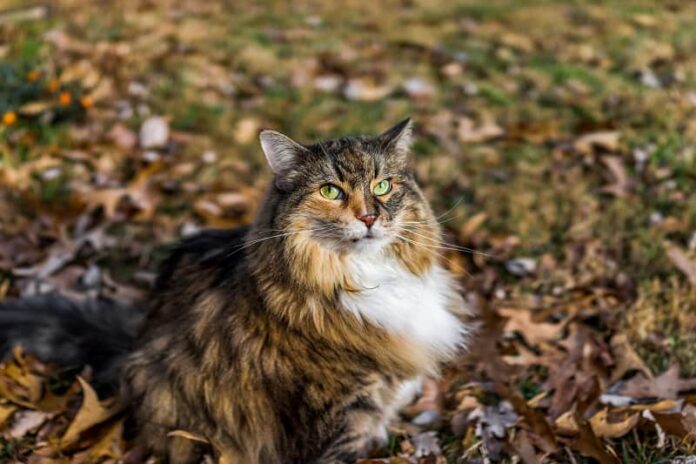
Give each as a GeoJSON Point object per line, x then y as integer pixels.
{"type": "Point", "coordinates": [556, 140]}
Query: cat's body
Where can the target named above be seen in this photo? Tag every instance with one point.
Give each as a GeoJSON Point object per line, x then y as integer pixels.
{"type": "Point", "coordinates": [298, 341]}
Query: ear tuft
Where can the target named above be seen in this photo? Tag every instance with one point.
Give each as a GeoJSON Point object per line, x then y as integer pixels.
{"type": "Point", "coordinates": [399, 137]}
{"type": "Point", "coordinates": [282, 153]}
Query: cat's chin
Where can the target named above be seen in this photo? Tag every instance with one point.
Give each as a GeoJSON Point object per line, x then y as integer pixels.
{"type": "Point", "coordinates": [360, 246]}
{"type": "Point", "coordinates": [368, 245]}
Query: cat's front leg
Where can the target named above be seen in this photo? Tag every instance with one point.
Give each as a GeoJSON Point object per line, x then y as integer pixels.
{"type": "Point", "coordinates": [364, 432]}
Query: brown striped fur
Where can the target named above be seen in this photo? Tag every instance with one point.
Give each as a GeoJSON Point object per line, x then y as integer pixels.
{"type": "Point", "coordinates": [246, 342]}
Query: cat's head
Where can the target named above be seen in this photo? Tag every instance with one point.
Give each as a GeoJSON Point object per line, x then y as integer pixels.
{"type": "Point", "coordinates": [350, 195]}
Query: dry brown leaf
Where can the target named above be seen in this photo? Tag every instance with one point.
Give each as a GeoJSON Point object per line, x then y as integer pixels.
{"type": "Point", "coordinates": [91, 413]}
{"type": "Point", "coordinates": [365, 90]}
{"type": "Point", "coordinates": [526, 357]}
{"type": "Point", "coordinates": [18, 385]}
{"type": "Point", "coordinates": [471, 225]}
{"type": "Point", "coordinates": [25, 422]}
{"type": "Point", "coordinates": [661, 406]}
{"type": "Point", "coordinates": [247, 130]}
{"type": "Point", "coordinates": [468, 403]}
{"type": "Point", "coordinates": [110, 445]}
{"type": "Point", "coordinates": [666, 386]}
{"type": "Point", "coordinates": [565, 423]}
{"type": "Point", "coordinates": [34, 108]}
{"type": "Point", "coordinates": [626, 358]}
{"type": "Point", "coordinates": [6, 411]}
{"type": "Point", "coordinates": [469, 132]}
{"type": "Point", "coordinates": [123, 137]}
{"type": "Point", "coordinates": [138, 192]}
{"type": "Point", "coordinates": [603, 428]}
{"type": "Point", "coordinates": [590, 445]}
{"type": "Point", "coordinates": [683, 262]}
{"type": "Point", "coordinates": [609, 141]}
{"type": "Point", "coordinates": [524, 448]}
{"type": "Point", "coordinates": [521, 321]}
{"type": "Point", "coordinates": [621, 182]}
{"type": "Point", "coordinates": [51, 402]}
{"type": "Point", "coordinates": [681, 425]}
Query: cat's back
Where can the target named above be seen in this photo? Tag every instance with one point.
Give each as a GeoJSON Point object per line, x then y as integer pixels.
{"type": "Point", "coordinates": [219, 253]}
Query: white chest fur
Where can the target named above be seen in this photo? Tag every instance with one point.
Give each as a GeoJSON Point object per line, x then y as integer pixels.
{"type": "Point", "coordinates": [418, 307]}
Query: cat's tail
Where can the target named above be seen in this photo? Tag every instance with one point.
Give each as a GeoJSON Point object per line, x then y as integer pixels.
{"type": "Point", "coordinates": [71, 335]}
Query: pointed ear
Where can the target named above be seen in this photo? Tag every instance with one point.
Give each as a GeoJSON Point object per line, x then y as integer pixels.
{"type": "Point", "coordinates": [398, 139]}
{"type": "Point", "coordinates": [282, 154]}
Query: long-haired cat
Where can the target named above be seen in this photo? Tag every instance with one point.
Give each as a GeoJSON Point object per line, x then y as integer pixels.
{"type": "Point", "coordinates": [293, 342]}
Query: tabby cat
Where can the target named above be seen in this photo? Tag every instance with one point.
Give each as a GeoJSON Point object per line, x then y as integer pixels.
{"type": "Point", "coordinates": [295, 341]}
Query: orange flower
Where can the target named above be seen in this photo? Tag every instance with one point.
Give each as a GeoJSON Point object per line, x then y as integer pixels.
{"type": "Point", "coordinates": [32, 75]}
{"type": "Point", "coordinates": [53, 85]}
{"type": "Point", "coordinates": [64, 98]}
{"type": "Point", "coordinates": [86, 101]}
{"type": "Point", "coordinates": [9, 118]}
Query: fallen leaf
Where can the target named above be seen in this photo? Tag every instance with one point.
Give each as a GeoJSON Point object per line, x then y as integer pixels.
{"type": "Point", "coordinates": [419, 89]}
{"type": "Point", "coordinates": [603, 428]}
{"type": "Point", "coordinates": [25, 422]}
{"type": "Point", "coordinates": [521, 321]}
{"type": "Point", "coordinates": [472, 225]}
{"type": "Point", "coordinates": [565, 423]}
{"type": "Point", "coordinates": [247, 130]}
{"type": "Point", "coordinates": [681, 425]}
{"type": "Point", "coordinates": [621, 183]}
{"type": "Point", "coordinates": [365, 90]}
{"type": "Point", "coordinates": [18, 384]}
{"type": "Point", "coordinates": [469, 132]}
{"type": "Point", "coordinates": [626, 358]}
{"type": "Point", "coordinates": [6, 412]}
{"type": "Point", "coordinates": [91, 413]}
{"type": "Point", "coordinates": [608, 141]}
{"type": "Point", "coordinates": [110, 445]}
{"type": "Point", "coordinates": [590, 445]}
{"type": "Point", "coordinates": [667, 386]}
{"type": "Point", "coordinates": [34, 108]}
{"type": "Point", "coordinates": [524, 448]}
{"type": "Point", "coordinates": [123, 137]}
{"type": "Point", "coordinates": [683, 262]}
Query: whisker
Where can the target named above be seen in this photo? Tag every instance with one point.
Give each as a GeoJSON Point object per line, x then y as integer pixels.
{"type": "Point", "coordinates": [457, 203]}
{"type": "Point", "coordinates": [439, 253]}
{"type": "Point", "coordinates": [248, 244]}
{"type": "Point", "coordinates": [447, 245]}
{"type": "Point", "coordinates": [457, 216]}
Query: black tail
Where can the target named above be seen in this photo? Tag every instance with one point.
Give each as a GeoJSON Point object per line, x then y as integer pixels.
{"type": "Point", "coordinates": [99, 333]}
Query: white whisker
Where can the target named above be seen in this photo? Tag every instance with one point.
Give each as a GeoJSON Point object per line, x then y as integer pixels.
{"type": "Point", "coordinates": [446, 245]}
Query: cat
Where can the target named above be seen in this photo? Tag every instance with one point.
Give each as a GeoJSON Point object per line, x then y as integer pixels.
{"type": "Point", "coordinates": [294, 341]}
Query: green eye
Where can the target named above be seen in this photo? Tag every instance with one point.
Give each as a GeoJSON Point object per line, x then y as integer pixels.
{"type": "Point", "coordinates": [331, 192]}
{"type": "Point", "coordinates": [382, 188]}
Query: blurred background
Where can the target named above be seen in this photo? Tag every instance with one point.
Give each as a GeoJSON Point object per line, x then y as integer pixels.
{"type": "Point", "coordinates": [555, 139]}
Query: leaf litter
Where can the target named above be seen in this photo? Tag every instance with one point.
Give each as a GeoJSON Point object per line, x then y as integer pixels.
{"type": "Point", "coordinates": [566, 161]}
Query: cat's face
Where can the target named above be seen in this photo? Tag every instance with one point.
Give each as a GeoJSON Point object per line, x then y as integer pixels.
{"type": "Point", "coordinates": [352, 195]}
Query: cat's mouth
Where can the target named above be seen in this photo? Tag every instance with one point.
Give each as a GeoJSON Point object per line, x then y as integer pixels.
{"type": "Point", "coordinates": [352, 239]}
{"type": "Point", "coordinates": [368, 236]}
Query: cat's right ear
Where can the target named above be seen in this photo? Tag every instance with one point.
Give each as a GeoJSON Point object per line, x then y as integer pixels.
{"type": "Point", "coordinates": [283, 155]}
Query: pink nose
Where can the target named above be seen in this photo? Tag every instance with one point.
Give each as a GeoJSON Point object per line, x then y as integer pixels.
{"type": "Point", "coordinates": [368, 219]}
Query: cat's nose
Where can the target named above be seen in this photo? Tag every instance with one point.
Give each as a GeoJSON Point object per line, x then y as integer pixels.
{"type": "Point", "coordinates": [368, 219]}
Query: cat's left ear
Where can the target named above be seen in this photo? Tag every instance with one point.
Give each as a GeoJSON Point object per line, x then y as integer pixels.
{"type": "Point", "coordinates": [399, 138]}
{"type": "Point", "coordinates": [283, 155]}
